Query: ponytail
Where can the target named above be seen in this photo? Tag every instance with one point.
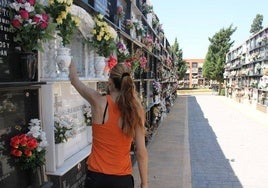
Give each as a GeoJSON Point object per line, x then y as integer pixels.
{"type": "Point", "coordinates": [132, 111]}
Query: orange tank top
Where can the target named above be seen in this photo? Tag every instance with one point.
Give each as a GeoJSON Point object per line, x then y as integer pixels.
{"type": "Point", "coordinates": [110, 153]}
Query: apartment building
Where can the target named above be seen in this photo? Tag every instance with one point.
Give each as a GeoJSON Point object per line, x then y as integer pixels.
{"type": "Point", "coordinates": [193, 77]}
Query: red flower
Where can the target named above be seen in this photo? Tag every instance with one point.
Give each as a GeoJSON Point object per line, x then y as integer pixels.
{"type": "Point", "coordinates": [16, 152]}
{"type": "Point", "coordinates": [28, 153]}
{"type": "Point", "coordinates": [32, 143]}
{"type": "Point", "coordinates": [111, 62]}
{"type": "Point", "coordinates": [23, 139]}
{"type": "Point", "coordinates": [15, 141]}
{"type": "Point", "coordinates": [128, 63]}
{"type": "Point", "coordinates": [16, 23]}
{"type": "Point", "coordinates": [24, 14]}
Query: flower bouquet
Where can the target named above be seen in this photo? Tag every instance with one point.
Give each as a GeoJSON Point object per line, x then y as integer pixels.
{"type": "Point", "coordinates": [63, 126]}
{"type": "Point", "coordinates": [139, 27]}
{"type": "Point", "coordinates": [102, 40]}
{"type": "Point", "coordinates": [137, 62]}
{"type": "Point", "coordinates": [66, 23]}
{"type": "Point", "coordinates": [27, 151]}
{"type": "Point", "coordinates": [148, 40]}
{"type": "Point", "coordinates": [30, 24]}
{"type": "Point", "coordinates": [146, 8]}
{"type": "Point", "coordinates": [129, 24]}
{"type": "Point", "coordinates": [157, 88]}
{"type": "Point", "coordinates": [122, 52]}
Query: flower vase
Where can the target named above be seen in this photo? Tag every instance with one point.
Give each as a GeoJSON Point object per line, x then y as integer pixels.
{"type": "Point", "coordinates": [63, 60]}
{"type": "Point", "coordinates": [35, 177]}
{"type": "Point", "coordinates": [99, 65]}
{"type": "Point", "coordinates": [28, 66]}
{"type": "Point", "coordinates": [59, 154]}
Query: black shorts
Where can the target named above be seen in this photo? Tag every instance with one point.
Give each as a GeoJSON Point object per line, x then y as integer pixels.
{"type": "Point", "coordinates": [99, 180]}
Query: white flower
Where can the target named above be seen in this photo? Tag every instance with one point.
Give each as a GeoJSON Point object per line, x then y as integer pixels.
{"type": "Point", "coordinates": [16, 6]}
{"type": "Point", "coordinates": [28, 7]}
{"type": "Point", "coordinates": [35, 131]}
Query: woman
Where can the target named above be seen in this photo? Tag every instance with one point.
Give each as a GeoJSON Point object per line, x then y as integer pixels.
{"type": "Point", "coordinates": [117, 119]}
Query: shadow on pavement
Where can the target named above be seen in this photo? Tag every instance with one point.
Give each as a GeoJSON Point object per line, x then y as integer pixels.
{"type": "Point", "coordinates": [209, 166]}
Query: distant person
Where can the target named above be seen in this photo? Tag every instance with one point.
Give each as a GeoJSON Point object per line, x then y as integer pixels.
{"type": "Point", "coordinates": [118, 118]}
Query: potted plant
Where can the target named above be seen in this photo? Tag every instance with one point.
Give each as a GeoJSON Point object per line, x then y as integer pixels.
{"type": "Point", "coordinates": [66, 25]}
{"type": "Point", "coordinates": [31, 27]}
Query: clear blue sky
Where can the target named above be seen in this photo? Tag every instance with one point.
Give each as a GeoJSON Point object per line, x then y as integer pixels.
{"type": "Point", "coordinates": [192, 22]}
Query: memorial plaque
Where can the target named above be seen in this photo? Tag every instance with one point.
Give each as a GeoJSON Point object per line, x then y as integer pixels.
{"type": "Point", "coordinates": [17, 107]}
{"type": "Point", "coordinates": [73, 178]}
{"type": "Point", "coordinates": [9, 67]}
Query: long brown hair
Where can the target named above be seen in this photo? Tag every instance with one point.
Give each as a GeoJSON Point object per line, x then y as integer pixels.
{"type": "Point", "coordinates": [132, 112]}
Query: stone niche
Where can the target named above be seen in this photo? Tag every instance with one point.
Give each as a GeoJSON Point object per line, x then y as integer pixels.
{"type": "Point", "coordinates": [59, 97]}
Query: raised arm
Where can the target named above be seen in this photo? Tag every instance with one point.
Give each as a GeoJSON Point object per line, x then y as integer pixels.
{"type": "Point", "coordinates": [142, 156]}
{"type": "Point", "coordinates": [91, 95]}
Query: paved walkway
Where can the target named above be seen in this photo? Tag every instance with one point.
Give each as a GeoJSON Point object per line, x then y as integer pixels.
{"type": "Point", "coordinates": [209, 141]}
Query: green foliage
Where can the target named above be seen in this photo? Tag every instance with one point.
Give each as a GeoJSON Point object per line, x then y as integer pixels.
{"type": "Point", "coordinates": [102, 40]}
{"type": "Point", "coordinates": [256, 26]}
{"type": "Point", "coordinates": [37, 159]}
{"type": "Point", "coordinates": [60, 133]}
{"type": "Point", "coordinates": [181, 65]}
{"type": "Point", "coordinates": [30, 32]}
{"type": "Point", "coordinates": [66, 24]}
{"type": "Point", "coordinates": [220, 44]}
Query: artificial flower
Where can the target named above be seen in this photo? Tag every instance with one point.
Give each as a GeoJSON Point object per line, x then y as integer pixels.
{"type": "Point", "coordinates": [66, 23]}
{"type": "Point", "coordinates": [27, 151]}
{"type": "Point", "coordinates": [103, 40]}
{"type": "Point", "coordinates": [30, 24]}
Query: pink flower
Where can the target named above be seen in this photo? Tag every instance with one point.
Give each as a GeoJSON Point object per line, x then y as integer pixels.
{"type": "Point", "coordinates": [119, 9]}
{"type": "Point", "coordinates": [32, 2]}
{"type": "Point", "coordinates": [143, 62]}
{"type": "Point", "coordinates": [24, 14]}
{"type": "Point", "coordinates": [16, 23]}
{"type": "Point", "coordinates": [36, 19]}
{"type": "Point", "coordinates": [45, 17]}
{"type": "Point", "coordinates": [43, 25]}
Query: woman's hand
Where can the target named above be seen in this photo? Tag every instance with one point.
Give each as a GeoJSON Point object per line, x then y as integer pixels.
{"type": "Point", "coordinates": [72, 71]}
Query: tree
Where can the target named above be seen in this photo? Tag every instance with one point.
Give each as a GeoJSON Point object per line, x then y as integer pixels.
{"type": "Point", "coordinates": [181, 65]}
{"type": "Point", "coordinates": [257, 24]}
{"type": "Point", "coordinates": [220, 44]}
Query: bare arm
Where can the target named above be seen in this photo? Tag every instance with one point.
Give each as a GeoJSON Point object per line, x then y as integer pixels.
{"type": "Point", "coordinates": [91, 95]}
{"type": "Point", "coordinates": [142, 156]}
